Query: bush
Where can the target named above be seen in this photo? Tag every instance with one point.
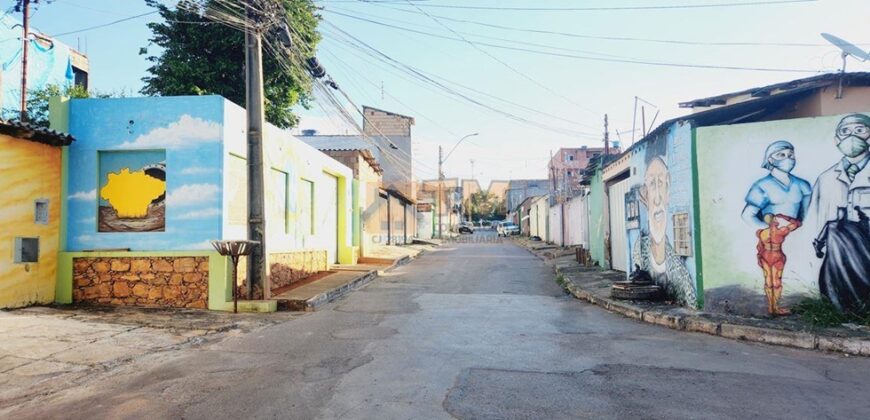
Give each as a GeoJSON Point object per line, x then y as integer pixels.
{"type": "Point", "coordinates": [821, 312]}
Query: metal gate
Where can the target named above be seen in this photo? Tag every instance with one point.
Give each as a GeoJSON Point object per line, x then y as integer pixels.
{"type": "Point", "coordinates": [618, 236]}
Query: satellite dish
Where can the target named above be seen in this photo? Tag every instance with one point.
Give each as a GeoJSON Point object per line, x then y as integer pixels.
{"type": "Point", "coordinates": [847, 47]}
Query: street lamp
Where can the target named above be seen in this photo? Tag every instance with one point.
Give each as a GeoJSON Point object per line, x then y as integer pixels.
{"type": "Point", "coordinates": [441, 160]}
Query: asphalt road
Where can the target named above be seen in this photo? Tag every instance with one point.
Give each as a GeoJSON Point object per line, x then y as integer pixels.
{"type": "Point", "coordinates": [472, 331]}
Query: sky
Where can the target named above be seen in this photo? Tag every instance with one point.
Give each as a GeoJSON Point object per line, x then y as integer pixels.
{"type": "Point", "coordinates": [502, 59]}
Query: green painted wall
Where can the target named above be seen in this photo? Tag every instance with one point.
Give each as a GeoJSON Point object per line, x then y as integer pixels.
{"type": "Point", "coordinates": [596, 217]}
{"type": "Point", "coordinates": [357, 210]}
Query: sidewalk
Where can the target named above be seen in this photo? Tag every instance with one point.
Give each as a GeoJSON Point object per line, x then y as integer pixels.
{"type": "Point", "coordinates": [309, 296]}
{"type": "Point", "coordinates": [46, 349]}
{"type": "Point", "coordinates": [592, 284]}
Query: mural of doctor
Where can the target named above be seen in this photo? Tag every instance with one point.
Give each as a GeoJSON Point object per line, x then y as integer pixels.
{"type": "Point", "coordinates": [776, 204]}
{"type": "Point", "coordinates": [653, 251]}
{"type": "Point", "coordinates": [840, 204]}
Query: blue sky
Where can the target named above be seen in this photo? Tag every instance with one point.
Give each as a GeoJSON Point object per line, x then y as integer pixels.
{"type": "Point", "coordinates": [574, 94]}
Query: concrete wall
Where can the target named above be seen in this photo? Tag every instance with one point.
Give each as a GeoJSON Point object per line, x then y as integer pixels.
{"type": "Point", "coordinates": [733, 277]}
{"type": "Point", "coordinates": [555, 225]}
{"type": "Point", "coordinates": [660, 197]}
{"type": "Point", "coordinates": [576, 222]}
{"type": "Point", "coordinates": [597, 220]}
{"type": "Point", "coordinates": [539, 213]}
{"type": "Point", "coordinates": [31, 171]}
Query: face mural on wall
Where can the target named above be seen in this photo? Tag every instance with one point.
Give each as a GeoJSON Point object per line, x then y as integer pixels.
{"type": "Point", "coordinates": [132, 193]}
{"type": "Point", "coordinates": [776, 205]}
{"type": "Point", "coordinates": [840, 205]}
{"type": "Point", "coordinates": [653, 251]}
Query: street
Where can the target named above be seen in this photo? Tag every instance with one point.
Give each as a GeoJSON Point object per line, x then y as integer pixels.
{"type": "Point", "coordinates": [475, 329]}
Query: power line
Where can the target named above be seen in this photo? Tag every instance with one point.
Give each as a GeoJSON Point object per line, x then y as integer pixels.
{"type": "Point", "coordinates": [114, 22]}
{"type": "Point", "coordinates": [607, 37]}
{"type": "Point", "coordinates": [608, 8]}
{"type": "Point", "coordinates": [588, 58]}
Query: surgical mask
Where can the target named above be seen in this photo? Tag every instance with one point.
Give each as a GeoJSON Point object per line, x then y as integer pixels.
{"type": "Point", "coordinates": [852, 146]}
{"type": "Point", "coordinates": [785, 165]}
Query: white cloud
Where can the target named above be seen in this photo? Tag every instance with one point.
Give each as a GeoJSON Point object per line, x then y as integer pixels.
{"type": "Point", "coordinates": [192, 194]}
{"type": "Point", "coordinates": [87, 238]}
{"type": "Point", "coordinates": [198, 170]}
{"type": "Point", "coordinates": [84, 195]}
{"type": "Point", "coordinates": [200, 214]}
{"type": "Point", "coordinates": [186, 132]}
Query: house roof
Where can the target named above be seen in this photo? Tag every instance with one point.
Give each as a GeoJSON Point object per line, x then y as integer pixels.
{"type": "Point", "coordinates": [32, 133]}
{"type": "Point", "coordinates": [365, 107]}
{"type": "Point", "coordinates": [849, 79]}
{"type": "Point", "coordinates": [366, 155]}
{"type": "Point", "coordinates": [400, 195]}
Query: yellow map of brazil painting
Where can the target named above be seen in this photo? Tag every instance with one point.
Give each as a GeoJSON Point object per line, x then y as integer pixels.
{"type": "Point", "coordinates": [133, 200]}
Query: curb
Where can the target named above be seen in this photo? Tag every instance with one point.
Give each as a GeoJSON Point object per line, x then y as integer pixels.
{"type": "Point", "coordinates": [700, 324]}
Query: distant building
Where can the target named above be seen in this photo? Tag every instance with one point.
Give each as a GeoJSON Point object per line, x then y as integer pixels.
{"type": "Point", "coordinates": [498, 188]}
{"type": "Point", "coordinates": [520, 189]}
{"type": "Point", "coordinates": [565, 169]}
{"type": "Point", "coordinates": [49, 62]}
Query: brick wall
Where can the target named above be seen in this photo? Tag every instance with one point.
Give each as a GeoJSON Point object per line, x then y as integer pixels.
{"type": "Point", "coordinates": [177, 282]}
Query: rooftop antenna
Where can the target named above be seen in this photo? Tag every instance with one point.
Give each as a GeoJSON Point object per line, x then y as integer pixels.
{"type": "Point", "coordinates": [847, 49]}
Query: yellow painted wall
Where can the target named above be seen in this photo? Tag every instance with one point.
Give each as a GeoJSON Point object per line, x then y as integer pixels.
{"type": "Point", "coordinates": [28, 171]}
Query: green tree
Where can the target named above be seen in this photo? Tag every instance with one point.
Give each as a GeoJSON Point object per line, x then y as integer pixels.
{"type": "Point", "coordinates": [486, 206]}
{"type": "Point", "coordinates": [200, 57]}
{"type": "Point", "coordinates": [37, 102]}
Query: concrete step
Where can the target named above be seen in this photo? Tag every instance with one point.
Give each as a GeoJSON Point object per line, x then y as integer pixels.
{"type": "Point", "coordinates": [311, 296]}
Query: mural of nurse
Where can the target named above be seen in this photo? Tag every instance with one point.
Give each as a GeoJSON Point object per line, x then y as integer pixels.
{"type": "Point", "coordinates": [776, 204]}
{"type": "Point", "coordinates": [840, 204]}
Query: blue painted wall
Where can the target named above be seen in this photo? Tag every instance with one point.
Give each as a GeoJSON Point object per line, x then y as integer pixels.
{"type": "Point", "coordinates": [46, 64]}
{"type": "Point", "coordinates": [188, 128]}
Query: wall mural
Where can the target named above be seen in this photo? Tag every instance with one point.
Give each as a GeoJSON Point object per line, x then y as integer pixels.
{"type": "Point", "coordinates": [806, 240]}
{"type": "Point", "coordinates": [132, 191]}
{"type": "Point", "coordinates": [662, 182]}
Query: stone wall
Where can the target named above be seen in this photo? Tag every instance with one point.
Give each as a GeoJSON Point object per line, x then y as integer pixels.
{"type": "Point", "coordinates": [177, 282]}
{"type": "Point", "coordinates": [288, 268]}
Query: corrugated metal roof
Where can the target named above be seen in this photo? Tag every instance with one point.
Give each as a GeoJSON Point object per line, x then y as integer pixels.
{"type": "Point", "coordinates": [30, 132]}
{"type": "Point", "coordinates": [854, 78]}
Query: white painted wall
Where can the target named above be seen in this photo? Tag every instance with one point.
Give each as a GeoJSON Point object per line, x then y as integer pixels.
{"type": "Point", "coordinates": [539, 213]}
{"type": "Point", "coordinates": [618, 237]}
{"type": "Point", "coordinates": [555, 225]}
{"type": "Point", "coordinates": [576, 221]}
{"type": "Point", "coordinates": [300, 161]}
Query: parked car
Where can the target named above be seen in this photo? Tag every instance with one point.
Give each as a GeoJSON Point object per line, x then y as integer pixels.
{"type": "Point", "coordinates": [466, 227]}
{"type": "Point", "coordinates": [507, 228]}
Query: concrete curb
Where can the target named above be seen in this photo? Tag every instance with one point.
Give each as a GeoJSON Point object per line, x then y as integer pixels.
{"type": "Point", "coordinates": [677, 319]}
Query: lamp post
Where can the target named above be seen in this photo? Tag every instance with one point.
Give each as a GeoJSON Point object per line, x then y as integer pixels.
{"type": "Point", "coordinates": [441, 160]}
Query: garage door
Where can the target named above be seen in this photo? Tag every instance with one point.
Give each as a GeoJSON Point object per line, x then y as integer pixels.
{"type": "Point", "coordinates": [329, 215]}
{"type": "Point", "coordinates": [618, 237]}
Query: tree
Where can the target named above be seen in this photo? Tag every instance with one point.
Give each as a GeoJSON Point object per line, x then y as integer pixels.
{"type": "Point", "coordinates": [37, 102]}
{"type": "Point", "coordinates": [486, 206]}
{"type": "Point", "coordinates": [200, 57]}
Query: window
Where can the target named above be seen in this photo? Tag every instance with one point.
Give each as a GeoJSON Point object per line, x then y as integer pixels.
{"type": "Point", "coordinates": [26, 250]}
{"type": "Point", "coordinates": [569, 173]}
{"type": "Point", "coordinates": [569, 158]}
{"type": "Point", "coordinates": [40, 212]}
{"type": "Point", "coordinates": [682, 235]}
{"type": "Point", "coordinates": [306, 206]}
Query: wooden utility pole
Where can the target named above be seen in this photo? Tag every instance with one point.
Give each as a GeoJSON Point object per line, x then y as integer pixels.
{"type": "Point", "coordinates": [257, 265]}
{"type": "Point", "coordinates": [25, 9]}
{"type": "Point", "coordinates": [606, 137]}
{"type": "Point", "coordinates": [469, 195]}
{"type": "Point", "coordinates": [440, 192]}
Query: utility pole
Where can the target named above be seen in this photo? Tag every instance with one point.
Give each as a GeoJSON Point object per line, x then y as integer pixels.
{"type": "Point", "coordinates": [469, 195]}
{"type": "Point", "coordinates": [440, 192]}
{"type": "Point", "coordinates": [257, 266]}
{"type": "Point", "coordinates": [606, 137]}
{"type": "Point", "coordinates": [25, 9]}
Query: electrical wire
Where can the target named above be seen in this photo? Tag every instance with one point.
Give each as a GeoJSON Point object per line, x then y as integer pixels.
{"type": "Point", "coordinates": [608, 8]}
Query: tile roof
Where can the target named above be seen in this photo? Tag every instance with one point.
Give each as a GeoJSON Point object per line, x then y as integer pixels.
{"type": "Point", "coordinates": [26, 131]}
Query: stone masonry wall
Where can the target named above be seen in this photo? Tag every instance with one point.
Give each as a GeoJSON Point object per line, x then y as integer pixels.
{"type": "Point", "coordinates": [177, 282]}
{"type": "Point", "coordinates": [288, 268]}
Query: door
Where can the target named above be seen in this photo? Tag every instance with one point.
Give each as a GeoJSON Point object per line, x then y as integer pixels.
{"type": "Point", "coordinates": [329, 223]}
{"type": "Point", "coordinates": [618, 236]}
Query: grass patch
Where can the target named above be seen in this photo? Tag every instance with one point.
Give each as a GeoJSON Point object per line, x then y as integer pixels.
{"type": "Point", "coordinates": [822, 313]}
{"type": "Point", "coordinates": [560, 280]}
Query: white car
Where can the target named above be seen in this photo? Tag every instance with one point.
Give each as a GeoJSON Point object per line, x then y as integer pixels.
{"type": "Point", "coordinates": [507, 229]}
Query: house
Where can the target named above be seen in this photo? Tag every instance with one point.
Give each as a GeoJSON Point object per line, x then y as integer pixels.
{"type": "Point", "coordinates": [32, 167]}
{"type": "Point", "coordinates": [522, 216]}
{"type": "Point", "coordinates": [692, 197]}
{"type": "Point", "coordinates": [519, 189]}
{"type": "Point", "coordinates": [566, 168]}
{"type": "Point", "coordinates": [154, 180]}
{"type": "Point", "coordinates": [539, 214]}
{"type": "Point", "coordinates": [49, 62]}
{"type": "Point", "coordinates": [448, 207]}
